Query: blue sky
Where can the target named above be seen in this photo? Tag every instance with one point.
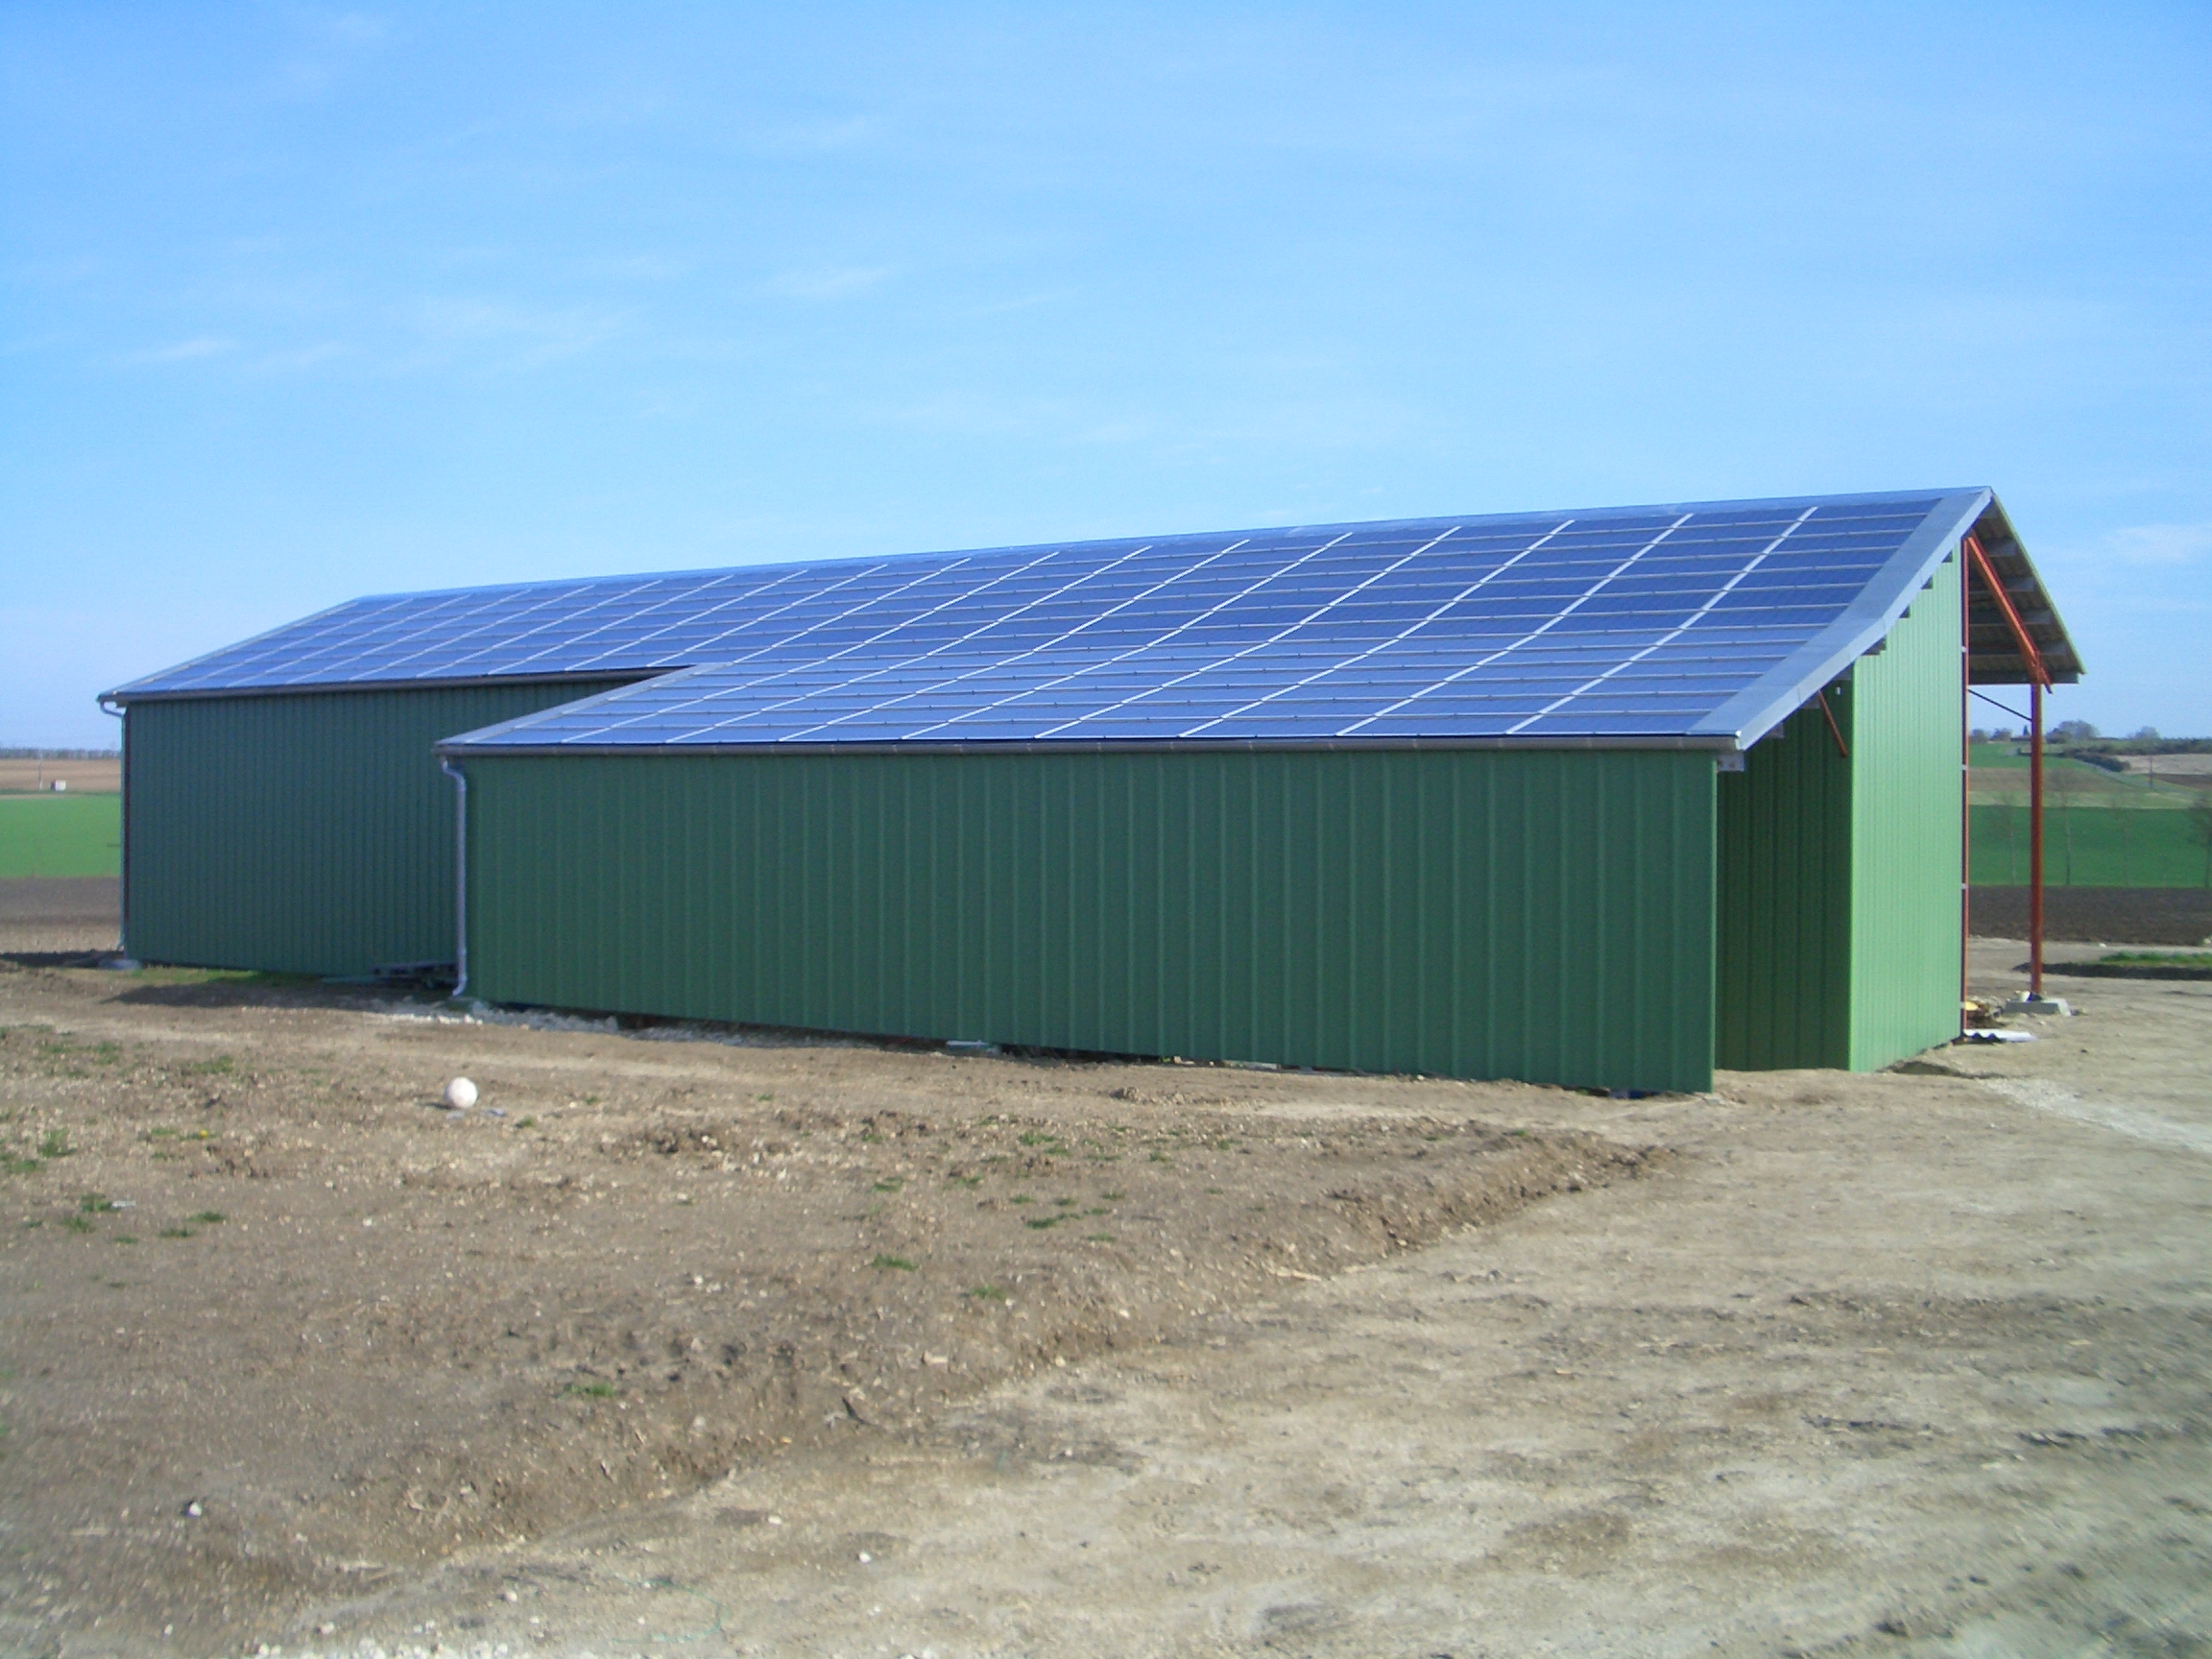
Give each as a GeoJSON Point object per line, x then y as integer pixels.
{"type": "Point", "coordinates": [298, 303]}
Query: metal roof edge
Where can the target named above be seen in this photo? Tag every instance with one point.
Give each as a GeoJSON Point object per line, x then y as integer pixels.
{"type": "Point", "coordinates": [481, 733]}
{"type": "Point", "coordinates": [1628, 509]}
{"type": "Point", "coordinates": [1778, 694]}
{"type": "Point", "coordinates": [122, 693]}
{"type": "Point", "coordinates": [468, 746]}
{"type": "Point", "coordinates": [629, 677]}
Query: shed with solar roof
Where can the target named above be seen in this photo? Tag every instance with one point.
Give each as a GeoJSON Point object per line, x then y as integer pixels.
{"type": "Point", "coordinates": [1601, 798]}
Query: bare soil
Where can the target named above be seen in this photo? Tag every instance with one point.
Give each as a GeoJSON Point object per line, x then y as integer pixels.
{"type": "Point", "coordinates": [60, 916]}
{"type": "Point", "coordinates": [1912, 1364]}
{"type": "Point", "coordinates": [254, 1267]}
{"type": "Point", "coordinates": [21, 777]}
{"type": "Point", "coordinates": [2101, 915]}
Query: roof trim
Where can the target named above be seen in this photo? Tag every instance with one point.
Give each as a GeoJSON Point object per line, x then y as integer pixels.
{"type": "Point", "coordinates": [122, 692]}
{"type": "Point", "coordinates": [1783, 690]}
{"type": "Point", "coordinates": [623, 678]}
{"type": "Point", "coordinates": [461, 748]}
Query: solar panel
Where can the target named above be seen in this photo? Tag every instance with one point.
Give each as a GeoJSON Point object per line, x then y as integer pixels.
{"type": "Point", "coordinates": [1622, 624]}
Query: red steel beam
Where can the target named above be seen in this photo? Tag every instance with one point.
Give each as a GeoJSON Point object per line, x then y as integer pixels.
{"type": "Point", "coordinates": [2038, 680]}
{"type": "Point", "coordinates": [2037, 672]}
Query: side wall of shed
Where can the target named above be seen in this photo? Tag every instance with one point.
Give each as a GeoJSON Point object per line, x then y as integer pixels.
{"type": "Point", "coordinates": [300, 832]}
{"type": "Point", "coordinates": [1905, 804]}
{"type": "Point", "coordinates": [1545, 916]}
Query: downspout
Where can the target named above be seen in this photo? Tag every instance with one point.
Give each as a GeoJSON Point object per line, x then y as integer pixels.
{"type": "Point", "coordinates": [123, 881]}
{"type": "Point", "coordinates": [460, 875]}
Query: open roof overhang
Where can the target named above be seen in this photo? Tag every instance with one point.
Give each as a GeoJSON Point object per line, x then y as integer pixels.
{"type": "Point", "coordinates": [1993, 655]}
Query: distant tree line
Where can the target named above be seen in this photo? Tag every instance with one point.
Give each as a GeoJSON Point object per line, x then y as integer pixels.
{"type": "Point", "coordinates": [61, 754]}
{"type": "Point", "coordinates": [2084, 742]}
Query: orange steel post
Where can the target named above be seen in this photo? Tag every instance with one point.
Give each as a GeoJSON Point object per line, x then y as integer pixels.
{"type": "Point", "coordinates": [1965, 786]}
{"type": "Point", "coordinates": [2038, 679]}
{"type": "Point", "coordinates": [2036, 840]}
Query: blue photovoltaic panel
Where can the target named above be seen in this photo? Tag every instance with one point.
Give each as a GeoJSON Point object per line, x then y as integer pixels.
{"type": "Point", "coordinates": [1625, 624]}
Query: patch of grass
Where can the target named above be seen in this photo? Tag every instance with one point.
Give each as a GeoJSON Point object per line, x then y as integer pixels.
{"type": "Point", "coordinates": [894, 1264]}
{"type": "Point", "coordinates": [985, 1293]}
{"type": "Point", "coordinates": [78, 1223]}
{"type": "Point", "coordinates": [209, 1217]}
{"type": "Point", "coordinates": [890, 1183]}
{"type": "Point", "coordinates": [1040, 1223]}
{"type": "Point", "coordinates": [525, 1122]}
{"type": "Point", "coordinates": [592, 1390]}
{"type": "Point", "coordinates": [10, 1165]}
{"type": "Point", "coordinates": [763, 1099]}
{"type": "Point", "coordinates": [222, 1065]}
{"type": "Point", "coordinates": [964, 1180]}
{"type": "Point", "coordinates": [179, 1233]}
{"type": "Point", "coordinates": [55, 1143]}
{"type": "Point", "coordinates": [1213, 1192]}
{"type": "Point", "coordinates": [64, 835]}
{"type": "Point", "coordinates": [1021, 1198]}
{"type": "Point", "coordinates": [1113, 1197]}
{"type": "Point", "coordinates": [1097, 1238]}
{"type": "Point", "coordinates": [1038, 1137]}
{"type": "Point", "coordinates": [95, 1203]}
{"type": "Point", "coordinates": [2160, 958]}
{"type": "Point", "coordinates": [161, 1134]}
{"type": "Point", "coordinates": [1064, 1203]}
{"type": "Point", "coordinates": [125, 1238]}
{"type": "Point", "coordinates": [1158, 1156]}
{"type": "Point", "coordinates": [868, 1138]}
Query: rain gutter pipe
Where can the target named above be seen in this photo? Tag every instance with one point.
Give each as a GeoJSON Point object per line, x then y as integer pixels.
{"type": "Point", "coordinates": [460, 875]}
{"type": "Point", "coordinates": [123, 872]}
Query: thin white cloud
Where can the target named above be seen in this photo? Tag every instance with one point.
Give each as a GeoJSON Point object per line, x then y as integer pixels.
{"type": "Point", "coordinates": [184, 350]}
{"type": "Point", "coordinates": [2160, 544]}
{"type": "Point", "coordinates": [520, 336]}
{"type": "Point", "coordinates": [834, 282]}
{"type": "Point", "coordinates": [844, 132]}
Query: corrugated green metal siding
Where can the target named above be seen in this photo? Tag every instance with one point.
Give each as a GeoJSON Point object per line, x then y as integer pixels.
{"type": "Point", "coordinates": [1544, 916]}
{"type": "Point", "coordinates": [1785, 899]}
{"type": "Point", "coordinates": [307, 833]}
{"type": "Point", "coordinates": [1905, 833]}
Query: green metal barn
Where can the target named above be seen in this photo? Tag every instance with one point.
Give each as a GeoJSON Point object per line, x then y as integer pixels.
{"type": "Point", "coordinates": [1599, 798]}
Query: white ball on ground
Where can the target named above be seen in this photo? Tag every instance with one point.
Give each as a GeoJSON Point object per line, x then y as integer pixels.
{"type": "Point", "coordinates": [460, 1093]}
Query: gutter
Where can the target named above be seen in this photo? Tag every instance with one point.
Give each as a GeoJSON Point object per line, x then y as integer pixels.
{"type": "Point", "coordinates": [460, 875]}
{"type": "Point", "coordinates": [108, 706]}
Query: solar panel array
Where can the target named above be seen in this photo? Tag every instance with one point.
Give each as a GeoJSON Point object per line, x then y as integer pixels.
{"type": "Point", "coordinates": [1628, 623]}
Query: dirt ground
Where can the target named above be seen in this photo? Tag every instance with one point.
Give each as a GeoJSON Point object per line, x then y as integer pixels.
{"type": "Point", "coordinates": [61, 914]}
{"type": "Point", "coordinates": [19, 776]}
{"type": "Point", "coordinates": [700, 1348]}
{"type": "Point", "coordinates": [2097, 915]}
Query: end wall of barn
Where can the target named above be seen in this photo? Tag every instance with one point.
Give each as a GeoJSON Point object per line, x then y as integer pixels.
{"type": "Point", "coordinates": [1839, 861]}
{"type": "Point", "coordinates": [301, 832]}
{"type": "Point", "coordinates": [1907, 848]}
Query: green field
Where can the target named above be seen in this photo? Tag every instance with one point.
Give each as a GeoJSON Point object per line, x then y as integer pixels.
{"type": "Point", "coordinates": [60, 835]}
{"type": "Point", "coordinates": [2084, 846]}
{"type": "Point", "coordinates": [2089, 847]}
